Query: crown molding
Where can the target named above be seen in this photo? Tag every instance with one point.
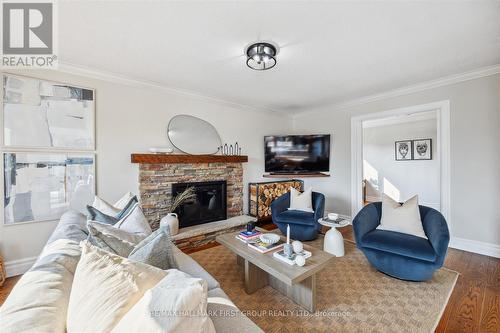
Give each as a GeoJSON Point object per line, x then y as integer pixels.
{"type": "Point", "coordinates": [69, 68]}
{"type": "Point", "coordinates": [411, 89]}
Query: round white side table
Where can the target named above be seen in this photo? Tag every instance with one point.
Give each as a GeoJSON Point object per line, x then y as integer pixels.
{"type": "Point", "coordinates": [334, 242]}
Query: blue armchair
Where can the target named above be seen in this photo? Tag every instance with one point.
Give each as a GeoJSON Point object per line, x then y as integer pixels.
{"type": "Point", "coordinates": [304, 226]}
{"type": "Point", "coordinates": [403, 256]}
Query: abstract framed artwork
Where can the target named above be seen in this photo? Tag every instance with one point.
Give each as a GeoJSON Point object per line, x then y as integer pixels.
{"type": "Point", "coordinates": [48, 148]}
{"type": "Point", "coordinates": [422, 149]}
{"type": "Point", "coordinates": [44, 114]}
{"type": "Point", "coordinates": [41, 186]}
{"type": "Point", "coordinates": [403, 150]}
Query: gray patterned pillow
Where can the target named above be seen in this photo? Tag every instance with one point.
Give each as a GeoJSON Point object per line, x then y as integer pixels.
{"type": "Point", "coordinates": [156, 250]}
{"type": "Point", "coordinates": [112, 239]}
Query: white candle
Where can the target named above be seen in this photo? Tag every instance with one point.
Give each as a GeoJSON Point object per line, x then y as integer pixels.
{"type": "Point", "coordinates": [288, 234]}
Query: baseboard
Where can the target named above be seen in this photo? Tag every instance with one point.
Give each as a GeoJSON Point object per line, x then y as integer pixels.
{"type": "Point", "coordinates": [18, 267]}
{"type": "Point", "coordinates": [487, 249]}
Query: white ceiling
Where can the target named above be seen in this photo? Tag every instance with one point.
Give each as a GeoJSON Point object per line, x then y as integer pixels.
{"type": "Point", "coordinates": [331, 52]}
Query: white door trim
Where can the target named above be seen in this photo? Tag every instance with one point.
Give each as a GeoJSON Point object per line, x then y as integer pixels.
{"type": "Point", "coordinates": [443, 140]}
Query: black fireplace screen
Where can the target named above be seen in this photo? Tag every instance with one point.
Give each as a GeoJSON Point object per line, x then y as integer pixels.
{"type": "Point", "coordinates": [210, 203]}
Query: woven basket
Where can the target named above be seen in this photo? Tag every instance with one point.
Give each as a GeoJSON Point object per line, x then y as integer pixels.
{"type": "Point", "coordinates": [2, 271]}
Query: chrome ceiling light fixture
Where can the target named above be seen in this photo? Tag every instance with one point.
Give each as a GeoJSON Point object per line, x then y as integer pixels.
{"type": "Point", "coordinates": [261, 56]}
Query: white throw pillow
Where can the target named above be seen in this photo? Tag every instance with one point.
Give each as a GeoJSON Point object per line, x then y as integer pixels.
{"type": "Point", "coordinates": [135, 222]}
{"type": "Point", "coordinates": [110, 209]}
{"type": "Point", "coordinates": [301, 201]}
{"type": "Point", "coordinates": [123, 201]}
{"type": "Point", "coordinates": [403, 218]}
{"type": "Point", "coordinates": [105, 207]}
{"type": "Point", "coordinates": [105, 287]}
{"type": "Point", "coordinates": [178, 303]}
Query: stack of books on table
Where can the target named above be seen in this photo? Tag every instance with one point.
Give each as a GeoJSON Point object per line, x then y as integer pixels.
{"type": "Point", "coordinates": [262, 247]}
{"type": "Point", "coordinates": [280, 255]}
{"type": "Point", "coordinates": [248, 236]}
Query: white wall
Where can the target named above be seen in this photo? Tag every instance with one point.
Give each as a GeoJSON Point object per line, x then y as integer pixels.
{"type": "Point", "coordinates": [475, 158]}
{"type": "Point", "coordinates": [132, 119]}
{"type": "Point", "coordinates": [401, 179]}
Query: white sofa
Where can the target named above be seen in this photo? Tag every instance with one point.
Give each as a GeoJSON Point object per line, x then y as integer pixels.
{"type": "Point", "coordinates": [39, 301]}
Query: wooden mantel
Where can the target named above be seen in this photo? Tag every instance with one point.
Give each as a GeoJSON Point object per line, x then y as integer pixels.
{"type": "Point", "coordinates": [181, 158]}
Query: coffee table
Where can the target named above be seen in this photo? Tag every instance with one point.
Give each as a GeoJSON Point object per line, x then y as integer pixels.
{"type": "Point", "coordinates": [261, 269]}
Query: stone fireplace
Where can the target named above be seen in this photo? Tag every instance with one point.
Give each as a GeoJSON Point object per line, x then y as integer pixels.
{"type": "Point", "coordinates": [210, 203]}
{"type": "Point", "coordinates": [159, 172]}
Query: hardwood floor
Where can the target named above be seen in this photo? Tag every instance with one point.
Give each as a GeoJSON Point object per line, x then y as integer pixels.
{"type": "Point", "coordinates": [7, 287]}
{"type": "Point", "coordinates": [474, 305]}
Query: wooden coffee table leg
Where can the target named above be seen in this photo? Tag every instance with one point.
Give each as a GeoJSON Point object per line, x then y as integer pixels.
{"type": "Point", "coordinates": [302, 293]}
{"type": "Point", "coordinates": [255, 278]}
{"type": "Point", "coordinates": [240, 261]}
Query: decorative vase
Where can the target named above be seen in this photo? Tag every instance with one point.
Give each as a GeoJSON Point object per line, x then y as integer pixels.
{"type": "Point", "coordinates": [172, 221]}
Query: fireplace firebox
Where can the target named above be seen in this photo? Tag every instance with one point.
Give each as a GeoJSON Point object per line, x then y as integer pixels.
{"type": "Point", "coordinates": [210, 203]}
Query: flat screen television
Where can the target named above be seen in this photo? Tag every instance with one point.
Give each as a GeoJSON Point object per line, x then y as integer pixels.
{"type": "Point", "coordinates": [297, 153]}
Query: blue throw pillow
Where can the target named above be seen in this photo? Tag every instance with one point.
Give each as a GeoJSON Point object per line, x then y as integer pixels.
{"type": "Point", "coordinates": [97, 215]}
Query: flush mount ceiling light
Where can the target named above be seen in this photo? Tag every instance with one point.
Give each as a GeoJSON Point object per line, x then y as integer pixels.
{"type": "Point", "coordinates": [261, 56]}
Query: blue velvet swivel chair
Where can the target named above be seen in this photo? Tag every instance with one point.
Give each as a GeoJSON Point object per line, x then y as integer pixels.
{"type": "Point", "coordinates": [304, 226]}
{"type": "Point", "coordinates": [403, 256]}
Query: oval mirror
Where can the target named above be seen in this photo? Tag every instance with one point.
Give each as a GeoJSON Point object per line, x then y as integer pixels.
{"type": "Point", "coordinates": [193, 135]}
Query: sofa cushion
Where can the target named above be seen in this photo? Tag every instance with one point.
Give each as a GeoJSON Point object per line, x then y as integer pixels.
{"type": "Point", "coordinates": [404, 218]}
{"type": "Point", "coordinates": [178, 303]}
{"type": "Point", "coordinates": [399, 243]}
{"type": "Point", "coordinates": [123, 201]}
{"type": "Point", "coordinates": [111, 239]}
{"type": "Point", "coordinates": [39, 300]}
{"type": "Point", "coordinates": [103, 207]}
{"type": "Point", "coordinates": [72, 226]}
{"type": "Point", "coordinates": [301, 201]}
{"type": "Point", "coordinates": [105, 287]}
{"type": "Point", "coordinates": [295, 217]}
{"type": "Point", "coordinates": [121, 234]}
{"type": "Point", "coordinates": [227, 318]}
{"type": "Point", "coordinates": [155, 250]}
{"type": "Point", "coordinates": [108, 214]}
{"type": "Point", "coordinates": [135, 222]}
{"type": "Point", "coordinates": [112, 209]}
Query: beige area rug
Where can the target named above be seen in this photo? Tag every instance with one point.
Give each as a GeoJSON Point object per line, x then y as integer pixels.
{"type": "Point", "coordinates": [352, 297]}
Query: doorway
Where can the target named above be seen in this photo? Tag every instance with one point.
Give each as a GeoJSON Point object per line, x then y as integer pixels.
{"type": "Point", "coordinates": [402, 152]}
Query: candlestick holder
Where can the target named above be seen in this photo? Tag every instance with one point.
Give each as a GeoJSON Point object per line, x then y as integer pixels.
{"type": "Point", "coordinates": [288, 249]}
